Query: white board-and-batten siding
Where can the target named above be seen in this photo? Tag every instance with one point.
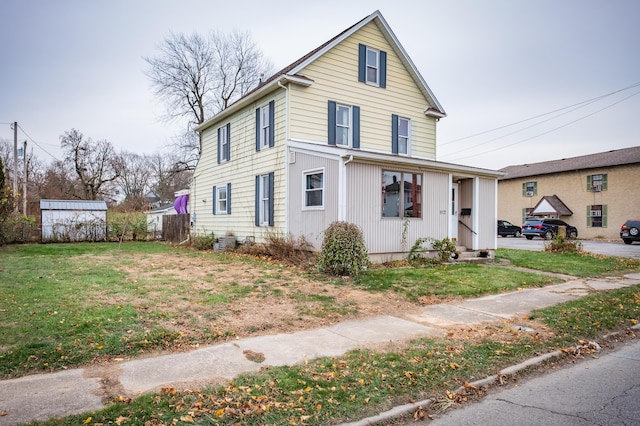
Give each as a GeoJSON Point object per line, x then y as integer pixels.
{"type": "Point", "coordinates": [385, 235]}
{"type": "Point", "coordinates": [240, 171]}
{"type": "Point", "coordinates": [310, 223]}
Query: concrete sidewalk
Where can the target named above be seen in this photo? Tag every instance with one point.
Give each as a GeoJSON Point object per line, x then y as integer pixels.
{"type": "Point", "coordinates": [44, 396]}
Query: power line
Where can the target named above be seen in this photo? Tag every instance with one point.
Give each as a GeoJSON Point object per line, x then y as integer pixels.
{"type": "Point", "coordinates": [36, 143]}
{"type": "Point", "coordinates": [549, 131]}
{"type": "Point", "coordinates": [575, 106]}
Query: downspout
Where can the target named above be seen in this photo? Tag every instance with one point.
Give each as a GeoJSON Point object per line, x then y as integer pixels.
{"type": "Point", "coordinates": [287, 156]}
{"type": "Point", "coordinates": [342, 187]}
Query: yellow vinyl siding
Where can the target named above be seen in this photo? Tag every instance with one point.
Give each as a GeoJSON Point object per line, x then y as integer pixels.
{"type": "Point", "coordinates": [335, 76]}
{"type": "Point", "coordinates": [241, 171]}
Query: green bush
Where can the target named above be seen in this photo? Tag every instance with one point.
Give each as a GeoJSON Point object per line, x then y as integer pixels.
{"type": "Point", "coordinates": [128, 226]}
{"type": "Point", "coordinates": [203, 241]}
{"type": "Point", "coordinates": [562, 244]}
{"type": "Point", "coordinates": [343, 250]}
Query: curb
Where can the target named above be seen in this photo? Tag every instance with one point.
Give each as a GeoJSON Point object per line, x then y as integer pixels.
{"type": "Point", "coordinates": [403, 410]}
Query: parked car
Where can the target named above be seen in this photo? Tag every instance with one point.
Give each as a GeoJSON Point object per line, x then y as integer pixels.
{"type": "Point", "coordinates": [630, 231]}
{"type": "Point", "coordinates": [547, 228]}
{"type": "Point", "coordinates": [506, 228]}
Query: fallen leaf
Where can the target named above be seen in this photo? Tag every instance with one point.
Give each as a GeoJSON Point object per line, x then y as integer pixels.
{"type": "Point", "coordinates": [121, 419]}
{"type": "Point", "coordinates": [88, 420]}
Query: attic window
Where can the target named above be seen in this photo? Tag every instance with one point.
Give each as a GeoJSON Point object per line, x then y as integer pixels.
{"type": "Point", "coordinates": [372, 66]}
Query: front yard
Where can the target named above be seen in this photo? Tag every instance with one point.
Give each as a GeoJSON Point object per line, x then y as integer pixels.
{"type": "Point", "coordinates": [73, 305]}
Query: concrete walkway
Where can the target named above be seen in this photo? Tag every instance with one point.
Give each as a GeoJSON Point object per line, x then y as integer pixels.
{"type": "Point", "coordinates": [44, 396]}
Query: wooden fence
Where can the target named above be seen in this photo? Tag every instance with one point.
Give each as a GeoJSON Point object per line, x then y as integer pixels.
{"type": "Point", "coordinates": [175, 227]}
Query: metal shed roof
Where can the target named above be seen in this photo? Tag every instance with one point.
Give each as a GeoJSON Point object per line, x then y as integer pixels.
{"type": "Point", "coordinates": [73, 205]}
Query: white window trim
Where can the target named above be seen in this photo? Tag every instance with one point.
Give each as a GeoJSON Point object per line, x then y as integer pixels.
{"type": "Point", "coordinates": [349, 127]}
{"type": "Point", "coordinates": [408, 120]}
{"type": "Point", "coordinates": [264, 124]}
{"type": "Point", "coordinates": [304, 188]}
{"type": "Point", "coordinates": [218, 199]}
{"type": "Point", "coordinates": [377, 67]}
{"type": "Point", "coordinates": [224, 140]}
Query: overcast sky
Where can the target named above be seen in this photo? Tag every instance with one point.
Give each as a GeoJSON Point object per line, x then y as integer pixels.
{"type": "Point", "coordinates": [491, 63]}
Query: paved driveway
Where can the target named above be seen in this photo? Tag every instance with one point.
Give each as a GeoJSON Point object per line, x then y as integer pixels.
{"type": "Point", "coordinates": [616, 248]}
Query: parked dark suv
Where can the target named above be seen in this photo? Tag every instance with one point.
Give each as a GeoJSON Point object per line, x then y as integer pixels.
{"type": "Point", "coordinates": [506, 228]}
{"type": "Point", "coordinates": [547, 228]}
{"type": "Point", "coordinates": [630, 231]}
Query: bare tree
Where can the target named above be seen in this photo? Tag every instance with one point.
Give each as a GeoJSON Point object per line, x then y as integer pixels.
{"type": "Point", "coordinates": [95, 163]}
{"type": "Point", "coordinates": [168, 176]}
{"type": "Point", "coordinates": [134, 179]}
{"type": "Point", "coordinates": [198, 76]}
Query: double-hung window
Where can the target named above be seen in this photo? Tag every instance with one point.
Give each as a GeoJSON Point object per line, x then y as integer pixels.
{"type": "Point", "coordinates": [372, 66]}
{"type": "Point", "coordinates": [597, 216]}
{"type": "Point", "coordinates": [224, 143]}
{"type": "Point", "coordinates": [264, 200]}
{"type": "Point", "coordinates": [529, 189]}
{"type": "Point", "coordinates": [344, 125]}
{"type": "Point", "coordinates": [222, 199]}
{"type": "Point", "coordinates": [401, 194]}
{"type": "Point", "coordinates": [265, 126]}
{"type": "Point", "coordinates": [597, 183]}
{"type": "Point", "coordinates": [400, 134]}
{"type": "Point", "coordinates": [314, 189]}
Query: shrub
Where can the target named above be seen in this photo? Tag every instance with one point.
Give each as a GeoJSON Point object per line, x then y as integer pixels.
{"type": "Point", "coordinates": [343, 250]}
{"type": "Point", "coordinates": [203, 241]}
{"type": "Point", "coordinates": [562, 244]}
{"type": "Point", "coordinates": [445, 248]}
{"type": "Point", "coordinates": [127, 226]}
{"type": "Point", "coordinates": [297, 251]}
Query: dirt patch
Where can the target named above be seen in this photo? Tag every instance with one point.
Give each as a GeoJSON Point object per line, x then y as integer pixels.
{"type": "Point", "coordinates": [205, 301]}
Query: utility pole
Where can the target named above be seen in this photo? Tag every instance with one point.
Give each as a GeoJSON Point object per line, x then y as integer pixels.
{"type": "Point", "coordinates": [15, 160]}
{"type": "Point", "coordinates": [24, 180]}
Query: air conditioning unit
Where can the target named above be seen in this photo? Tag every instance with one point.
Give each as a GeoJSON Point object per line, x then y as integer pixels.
{"type": "Point", "coordinates": [529, 193]}
{"type": "Point", "coordinates": [596, 213]}
{"type": "Point", "coordinates": [596, 188]}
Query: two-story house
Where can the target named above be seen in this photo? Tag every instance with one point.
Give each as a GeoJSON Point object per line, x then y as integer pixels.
{"type": "Point", "coordinates": [596, 193]}
{"type": "Point", "coordinates": [347, 132]}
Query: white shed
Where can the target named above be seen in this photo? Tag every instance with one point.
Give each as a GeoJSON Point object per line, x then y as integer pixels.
{"type": "Point", "coordinates": [73, 220]}
{"type": "Point", "coordinates": [154, 218]}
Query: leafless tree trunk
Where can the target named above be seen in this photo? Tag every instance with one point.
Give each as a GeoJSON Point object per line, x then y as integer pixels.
{"type": "Point", "coordinates": [95, 163]}
{"type": "Point", "coordinates": [168, 176]}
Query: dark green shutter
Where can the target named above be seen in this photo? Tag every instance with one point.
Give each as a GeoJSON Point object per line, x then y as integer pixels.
{"type": "Point", "coordinates": [362, 62]}
{"type": "Point", "coordinates": [272, 132]}
{"type": "Point", "coordinates": [219, 145]}
{"type": "Point", "coordinates": [383, 69]}
{"type": "Point", "coordinates": [228, 149]}
{"type": "Point", "coordinates": [271, 198]}
{"type": "Point", "coordinates": [332, 123]}
{"type": "Point", "coordinates": [355, 116]}
{"type": "Point", "coordinates": [604, 215]}
{"type": "Point", "coordinates": [257, 129]}
{"type": "Point", "coordinates": [604, 182]}
{"type": "Point", "coordinates": [394, 133]}
{"type": "Point", "coordinates": [589, 183]}
{"type": "Point", "coordinates": [524, 189]}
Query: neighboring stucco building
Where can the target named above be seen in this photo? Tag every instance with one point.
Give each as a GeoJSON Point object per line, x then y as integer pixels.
{"type": "Point", "coordinates": [595, 193]}
{"type": "Point", "coordinates": [347, 132]}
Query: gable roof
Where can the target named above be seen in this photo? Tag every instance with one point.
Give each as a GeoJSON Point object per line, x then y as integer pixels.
{"type": "Point", "coordinates": [551, 204]}
{"type": "Point", "coordinates": [615, 157]}
{"type": "Point", "coordinates": [289, 74]}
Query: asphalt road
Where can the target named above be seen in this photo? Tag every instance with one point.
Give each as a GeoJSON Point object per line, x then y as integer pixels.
{"type": "Point", "coordinates": [595, 391]}
{"type": "Point", "coordinates": [615, 248]}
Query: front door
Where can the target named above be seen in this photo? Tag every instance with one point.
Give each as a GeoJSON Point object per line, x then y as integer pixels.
{"type": "Point", "coordinates": [454, 211]}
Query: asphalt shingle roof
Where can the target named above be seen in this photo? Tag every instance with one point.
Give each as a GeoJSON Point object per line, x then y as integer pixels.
{"type": "Point", "coordinates": [615, 157]}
